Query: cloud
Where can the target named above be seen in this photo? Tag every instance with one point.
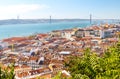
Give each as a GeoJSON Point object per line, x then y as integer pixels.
{"type": "Point", "coordinates": [21, 8]}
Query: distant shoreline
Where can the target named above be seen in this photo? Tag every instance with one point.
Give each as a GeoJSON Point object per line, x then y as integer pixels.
{"type": "Point", "coordinates": [11, 30]}
{"type": "Point", "coordinates": [26, 29]}
{"type": "Point", "coordinates": [34, 21]}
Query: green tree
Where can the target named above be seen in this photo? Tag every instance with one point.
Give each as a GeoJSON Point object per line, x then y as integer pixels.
{"type": "Point", "coordinates": [6, 74]}
{"type": "Point", "coordinates": [91, 66]}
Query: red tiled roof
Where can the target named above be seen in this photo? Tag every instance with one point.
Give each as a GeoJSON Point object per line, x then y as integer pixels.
{"type": "Point", "coordinates": [86, 38]}
{"type": "Point", "coordinates": [23, 66]}
{"type": "Point", "coordinates": [14, 39]}
{"type": "Point", "coordinates": [42, 35]}
{"type": "Point", "coordinates": [33, 58]}
{"type": "Point", "coordinates": [33, 72]}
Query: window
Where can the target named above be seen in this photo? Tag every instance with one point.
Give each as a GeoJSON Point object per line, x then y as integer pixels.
{"type": "Point", "coordinates": [92, 32]}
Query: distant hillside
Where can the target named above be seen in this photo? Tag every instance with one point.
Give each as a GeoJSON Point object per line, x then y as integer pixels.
{"type": "Point", "coordinates": [31, 21]}
{"type": "Point", "coordinates": [27, 21]}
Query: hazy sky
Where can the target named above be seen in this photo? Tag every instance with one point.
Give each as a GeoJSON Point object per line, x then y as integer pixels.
{"type": "Point", "coordinates": [28, 9]}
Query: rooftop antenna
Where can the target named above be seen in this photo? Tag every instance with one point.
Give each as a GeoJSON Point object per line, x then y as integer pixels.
{"type": "Point", "coordinates": [90, 19]}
